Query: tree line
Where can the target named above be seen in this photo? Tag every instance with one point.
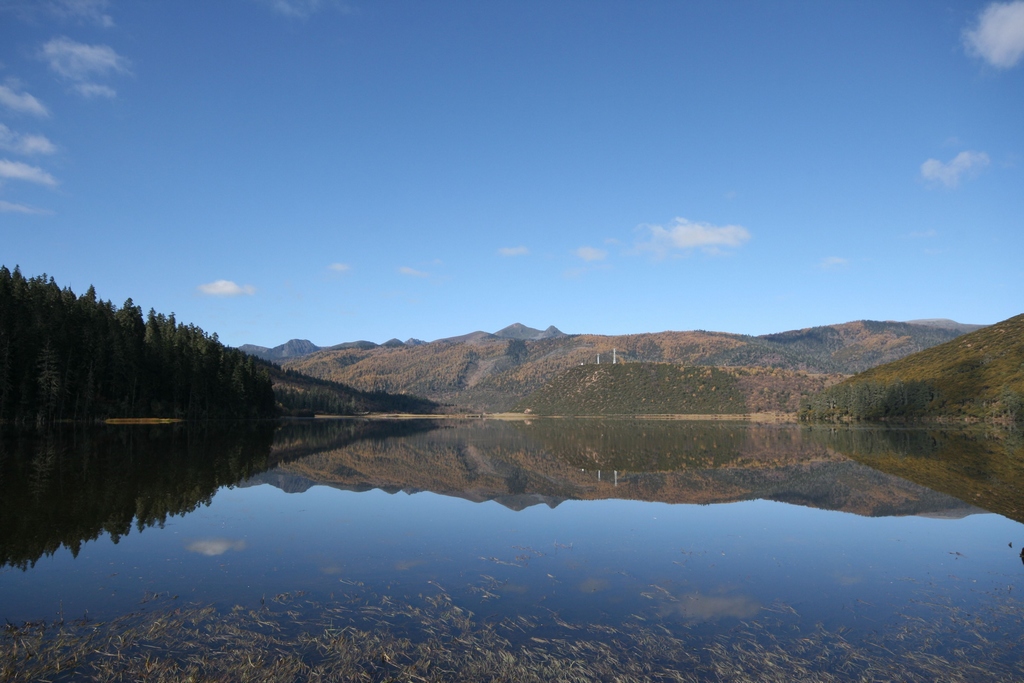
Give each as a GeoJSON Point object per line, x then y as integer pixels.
{"type": "Point", "coordinates": [70, 358]}
{"type": "Point", "coordinates": [871, 400]}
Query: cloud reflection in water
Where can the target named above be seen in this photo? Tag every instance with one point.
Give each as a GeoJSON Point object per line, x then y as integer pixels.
{"type": "Point", "coordinates": [212, 547]}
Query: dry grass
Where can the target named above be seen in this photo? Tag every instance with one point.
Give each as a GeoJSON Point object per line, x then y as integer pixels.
{"type": "Point", "coordinates": [379, 638]}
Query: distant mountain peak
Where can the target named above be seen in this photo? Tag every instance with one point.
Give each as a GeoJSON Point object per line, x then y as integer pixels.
{"type": "Point", "coordinates": [521, 331]}
{"type": "Point", "coordinates": [293, 348]}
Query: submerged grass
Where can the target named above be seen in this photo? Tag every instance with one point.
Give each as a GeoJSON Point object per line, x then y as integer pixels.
{"type": "Point", "coordinates": [378, 638]}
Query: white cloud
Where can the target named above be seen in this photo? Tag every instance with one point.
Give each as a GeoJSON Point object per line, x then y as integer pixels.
{"type": "Point", "coordinates": [340, 267]}
{"type": "Point", "coordinates": [91, 90]}
{"type": "Point", "coordinates": [998, 37]}
{"type": "Point", "coordinates": [24, 144]}
{"type": "Point", "coordinates": [16, 170]}
{"type": "Point", "coordinates": [949, 174]}
{"type": "Point", "coordinates": [685, 235]}
{"type": "Point", "coordinates": [81, 63]}
{"type": "Point", "coordinates": [513, 251]}
{"type": "Point", "coordinates": [412, 272]}
{"type": "Point", "coordinates": [591, 254]}
{"type": "Point", "coordinates": [833, 262]}
{"type": "Point", "coordinates": [8, 207]}
{"type": "Point", "coordinates": [226, 288]}
{"type": "Point", "coordinates": [22, 103]}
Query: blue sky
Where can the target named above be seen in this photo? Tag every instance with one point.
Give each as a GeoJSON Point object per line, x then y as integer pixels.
{"type": "Point", "coordinates": [270, 169]}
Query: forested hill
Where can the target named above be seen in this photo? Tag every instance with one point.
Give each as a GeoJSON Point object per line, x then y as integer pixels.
{"type": "Point", "coordinates": [977, 376]}
{"type": "Point", "coordinates": [668, 389]}
{"type": "Point", "coordinates": [66, 357]}
{"type": "Point", "coordinates": [299, 395]}
{"type": "Point", "coordinates": [636, 389]}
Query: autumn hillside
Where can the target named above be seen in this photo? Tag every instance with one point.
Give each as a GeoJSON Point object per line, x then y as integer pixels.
{"type": "Point", "coordinates": [977, 376]}
{"type": "Point", "coordinates": [493, 374]}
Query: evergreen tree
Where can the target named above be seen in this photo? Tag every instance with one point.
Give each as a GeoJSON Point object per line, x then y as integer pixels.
{"type": "Point", "coordinates": [64, 357]}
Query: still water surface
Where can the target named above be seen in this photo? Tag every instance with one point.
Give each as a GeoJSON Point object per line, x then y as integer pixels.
{"type": "Point", "coordinates": [673, 550]}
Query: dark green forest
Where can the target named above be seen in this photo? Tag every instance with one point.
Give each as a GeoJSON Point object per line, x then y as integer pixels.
{"type": "Point", "coordinates": [70, 358]}
{"type": "Point", "coordinates": [637, 389]}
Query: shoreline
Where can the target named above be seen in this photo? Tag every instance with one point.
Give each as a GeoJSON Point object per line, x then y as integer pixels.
{"type": "Point", "coordinates": [521, 417]}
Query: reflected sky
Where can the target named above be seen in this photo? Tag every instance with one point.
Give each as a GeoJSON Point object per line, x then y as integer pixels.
{"type": "Point", "coordinates": [584, 559]}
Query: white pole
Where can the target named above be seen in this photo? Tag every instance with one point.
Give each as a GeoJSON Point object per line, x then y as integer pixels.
{"type": "Point", "coordinates": [613, 356]}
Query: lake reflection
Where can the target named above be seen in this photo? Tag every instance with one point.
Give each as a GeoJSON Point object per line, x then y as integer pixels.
{"type": "Point", "coordinates": [713, 549]}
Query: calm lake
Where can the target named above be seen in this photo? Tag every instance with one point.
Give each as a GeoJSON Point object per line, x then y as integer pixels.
{"type": "Point", "coordinates": [541, 550]}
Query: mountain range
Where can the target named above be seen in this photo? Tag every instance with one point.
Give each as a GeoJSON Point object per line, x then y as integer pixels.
{"type": "Point", "coordinates": [491, 372]}
{"type": "Point", "coordinates": [296, 348]}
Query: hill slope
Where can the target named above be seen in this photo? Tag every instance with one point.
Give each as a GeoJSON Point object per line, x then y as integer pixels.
{"type": "Point", "coordinates": [637, 389]}
{"type": "Point", "coordinates": [493, 374]}
{"type": "Point", "coordinates": [977, 376]}
{"type": "Point", "coordinates": [667, 389]}
{"type": "Point", "coordinates": [301, 395]}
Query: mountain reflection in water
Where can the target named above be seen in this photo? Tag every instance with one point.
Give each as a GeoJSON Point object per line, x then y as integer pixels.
{"type": "Point", "coordinates": [66, 488]}
{"type": "Point", "coordinates": [520, 464]}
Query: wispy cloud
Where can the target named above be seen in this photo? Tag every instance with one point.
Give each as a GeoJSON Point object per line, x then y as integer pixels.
{"type": "Point", "coordinates": [83, 63]}
{"type": "Point", "coordinates": [833, 263]}
{"type": "Point", "coordinates": [16, 170]}
{"type": "Point", "coordinates": [513, 251]}
{"type": "Point", "coordinates": [24, 144]}
{"type": "Point", "coordinates": [92, 11]}
{"type": "Point", "coordinates": [91, 90]}
{"type": "Point", "coordinates": [998, 36]}
{"type": "Point", "coordinates": [922, 234]}
{"type": "Point", "coordinates": [21, 102]}
{"type": "Point", "coordinates": [302, 9]}
{"type": "Point", "coordinates": [590, 254]}
{"type": "Point", "coordinates": [949, 173]}
{"type": "Point", "coordinates": [225, 288]}
{"type": "Point", "coordinates": [685, 235]}
{"type": "Point", "coordinates": [339, 267]}
{"type": "Point", "coordinates": [412, 272]}
{"type": "Point", "coordinates": [8, 207]}
{"type": "Point", "coordinates": [87, 11]}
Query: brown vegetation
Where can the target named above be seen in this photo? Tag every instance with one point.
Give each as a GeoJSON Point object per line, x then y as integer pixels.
{"type": "Point", "coordinates": [489, 375]}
